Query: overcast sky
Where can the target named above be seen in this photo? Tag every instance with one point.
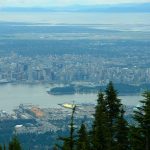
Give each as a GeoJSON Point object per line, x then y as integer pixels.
{"type": "Point", "coordinates": [63, 2]}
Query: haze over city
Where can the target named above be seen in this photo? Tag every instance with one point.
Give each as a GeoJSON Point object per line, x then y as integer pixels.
{"type": "Point", "coordinates": [63, 58]}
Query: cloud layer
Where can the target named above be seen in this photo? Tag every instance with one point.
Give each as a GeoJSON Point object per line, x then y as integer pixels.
{"type": "Point", "coordinates": [63, 2]}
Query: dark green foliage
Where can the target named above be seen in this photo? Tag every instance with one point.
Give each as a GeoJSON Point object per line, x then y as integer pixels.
{"type": "Point", "coordinates": [72, 129]}
{"type": "Point", "coordinates": [62, 90]}
{"type": "Point", "coordinates": [113, 111]}
{"type": "Point", "coordinates": [100, 133]}
{"type": "Point", "coordinates": [14, 144]}
{"type": "Point", "coordinates": [136, 141]}
{"type": "Point", "coordinates": [83, 140]}
{"type": "Point", "coordinates": [141, 132]}
{"type": "Point", "coordinates": [55, 147]}
{"type": "Point", "coordinates": [113, 104]}
{"type": "Point", "coordinates": [122, 135]}
{"type": "Point", "coordinates": [4, 147]}
{"type": "Point", "coordinates": [69, 142]}
{"type": "Point", "coordinates": [110, 130]}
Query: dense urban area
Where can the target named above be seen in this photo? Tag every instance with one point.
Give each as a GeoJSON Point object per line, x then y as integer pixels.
{"type": "Point", "coordinates": [69, 68]}
{"type": "Point", "coordinates": [69, 55]}
{"type": "Point", "coordinates": [33, 53]}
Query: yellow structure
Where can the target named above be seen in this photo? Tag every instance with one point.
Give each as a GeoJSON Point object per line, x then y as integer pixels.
{"type": "Point", "coordinates": [70, 106]}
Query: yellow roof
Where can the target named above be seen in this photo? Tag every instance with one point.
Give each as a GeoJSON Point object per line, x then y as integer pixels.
{"type": "Point", "coordinates": [69, 106]}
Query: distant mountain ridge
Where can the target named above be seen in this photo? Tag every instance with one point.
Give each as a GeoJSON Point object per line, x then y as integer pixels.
{"type": "Point", "coordinates": [140, 7]}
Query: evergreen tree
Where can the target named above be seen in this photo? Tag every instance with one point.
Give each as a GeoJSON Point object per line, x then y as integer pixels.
{"type": "Point", "coordinates": [110, 129]}
{"type": "Point", "coordinates": [83, 141]}
{"type": "Point", "coordinates": [1, 147]}
{"type": "Point", "coordinates": [113, 103]}
{"type": "Point", "coordinates": [136, 140]}
{"type": "Point", "coordinates": [4, 147]}
{"type": "Point", "coordinates": [100, 133]}
{"type": "Point", "coordinates": [72, 129]}
{"type": "Point", "coordinates": [113, 111]}
{"type": "Point", "coordinates": [141, 132]}
{"type": "Point", "coordinates": [122, 134]}
{"type": "Point", "coordinates": [14, 144]}
{"type": "Point", "coordinates": [69, 142]}
{"type": "Point", "coordinates": [55, 147]}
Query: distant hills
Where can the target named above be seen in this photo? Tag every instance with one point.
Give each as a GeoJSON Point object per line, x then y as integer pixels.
{"type": "Point", "coordinates": [140, 7]}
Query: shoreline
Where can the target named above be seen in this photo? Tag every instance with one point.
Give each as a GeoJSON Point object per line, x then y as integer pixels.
{"type": "Point", "coordinates": [50, 86]}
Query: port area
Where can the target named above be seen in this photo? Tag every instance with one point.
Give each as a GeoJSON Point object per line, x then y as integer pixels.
{"type": "Point", "coordinates": [28, 118]}
{"type": "Point", "coordinates": [32, 123]}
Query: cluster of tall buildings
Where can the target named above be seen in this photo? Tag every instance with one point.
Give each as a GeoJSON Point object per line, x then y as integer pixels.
{"type": "Point", "coordinates": [73, 68]}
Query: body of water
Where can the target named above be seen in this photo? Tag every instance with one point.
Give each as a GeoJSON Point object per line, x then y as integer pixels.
{"type": "Point", "coordinates": [77, 18]}
{"type": "Point", "coordinates": [12, 96]}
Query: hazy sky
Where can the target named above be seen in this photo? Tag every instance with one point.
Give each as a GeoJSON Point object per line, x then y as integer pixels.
{"type": "Point", "coordinates": [63, 2]}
